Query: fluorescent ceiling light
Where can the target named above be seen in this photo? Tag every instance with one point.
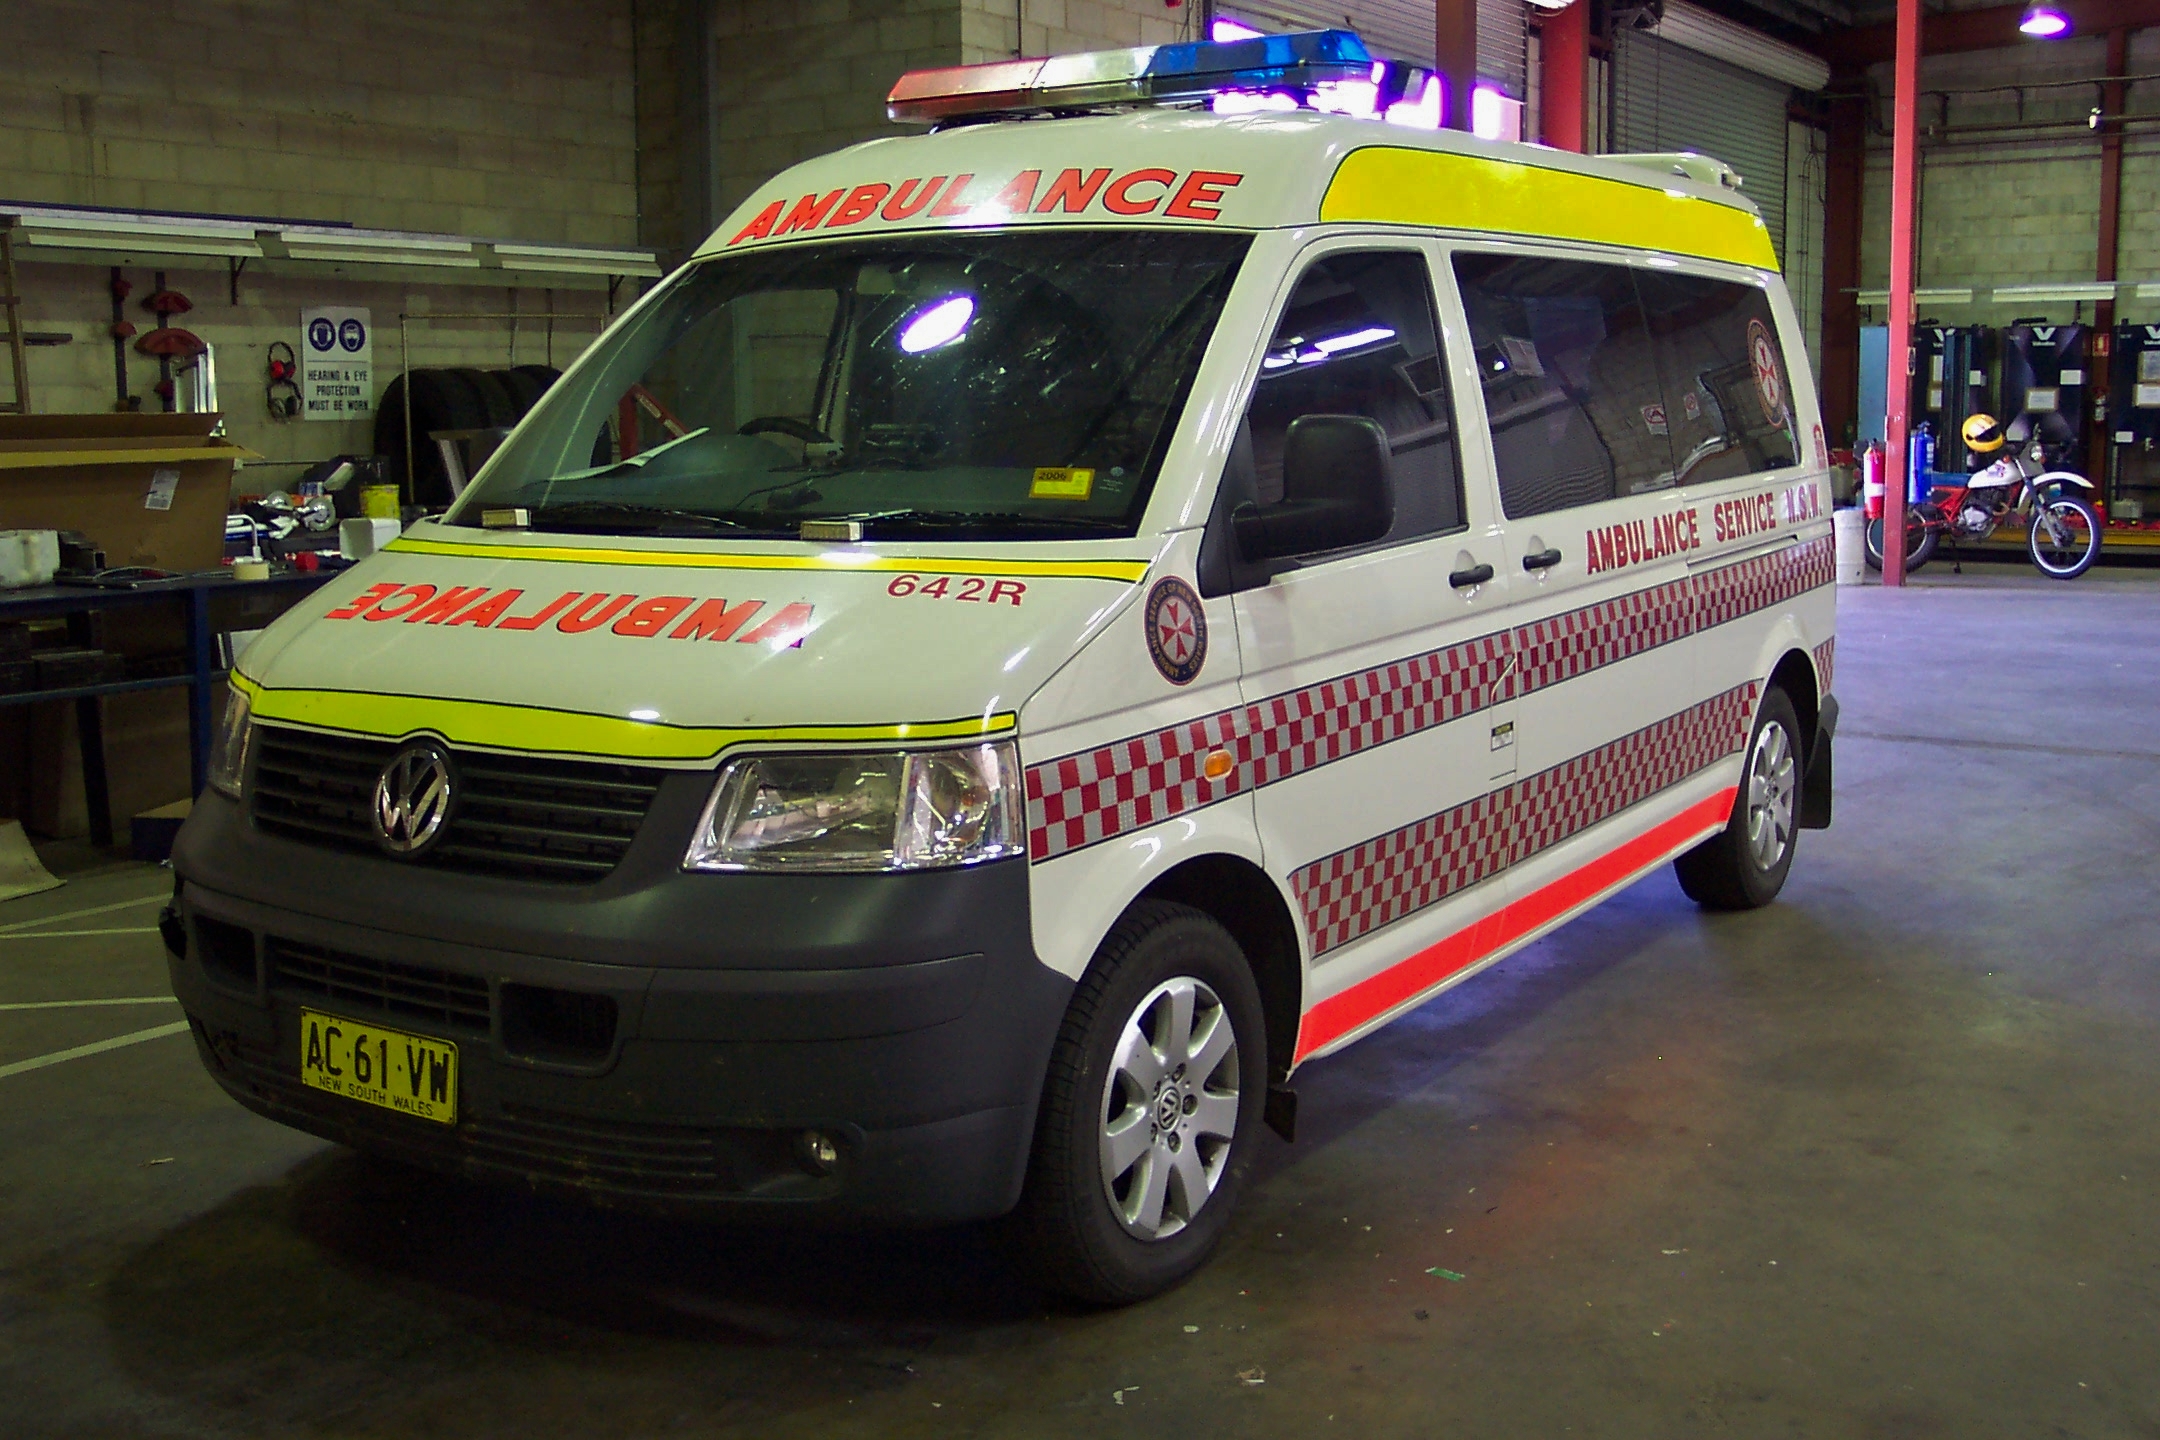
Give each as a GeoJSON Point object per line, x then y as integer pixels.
{"type": "Point", "coordinates": [2091, 290]}
{"type": "Point", "coordinates": [576, 259]}
{"type": "Point", "coordinates": [137, 234]}
{"type": "Point", "coordinates": [380, 247]}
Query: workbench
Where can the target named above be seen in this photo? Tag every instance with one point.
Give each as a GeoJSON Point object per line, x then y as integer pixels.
{"type": "Point", "coordinates": [80, 605]}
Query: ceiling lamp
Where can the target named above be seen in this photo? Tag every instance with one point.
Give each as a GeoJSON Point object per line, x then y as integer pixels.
{"type": "Point", "coordinates": [2044, 23]}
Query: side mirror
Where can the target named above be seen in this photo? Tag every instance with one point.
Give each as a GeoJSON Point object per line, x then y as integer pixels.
{"type": "Point", "coordinates": [1337, 491]}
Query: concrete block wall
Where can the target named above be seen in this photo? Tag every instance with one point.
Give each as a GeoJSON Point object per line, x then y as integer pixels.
{"type": "Point", "coordinates": [509, 118]}
{"type": "Point", "coordinates": [999, 29]}
{"type": "Point", "coordinates": [2019, 206]}
{"type": "Point", "coordinates": [798, 78]}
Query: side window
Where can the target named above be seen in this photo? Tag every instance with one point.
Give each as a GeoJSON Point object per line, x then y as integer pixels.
{"type": "Point", "coordinates": [1571, 390]}
{"type": "Point", "coordinates": [1727, 397]}
{"type": "Point", "coordinates": [1359, 337]}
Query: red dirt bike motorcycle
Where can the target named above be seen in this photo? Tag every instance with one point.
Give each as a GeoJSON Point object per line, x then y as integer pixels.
{"type": "Point", "coordinates": [2062, 528]}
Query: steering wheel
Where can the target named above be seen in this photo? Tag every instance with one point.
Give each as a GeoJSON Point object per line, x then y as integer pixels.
{"type": "Point", "coordinates": [801, 430]}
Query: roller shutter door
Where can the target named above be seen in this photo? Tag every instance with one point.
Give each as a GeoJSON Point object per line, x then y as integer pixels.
{"type": "Point", "coordinates": [1404, 29]}
{"type": "Point", "coordinates": [1668, 98]}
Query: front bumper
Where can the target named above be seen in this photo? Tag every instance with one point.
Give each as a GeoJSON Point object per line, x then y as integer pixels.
{"type": "Point", "coordinates": [660, 1040]}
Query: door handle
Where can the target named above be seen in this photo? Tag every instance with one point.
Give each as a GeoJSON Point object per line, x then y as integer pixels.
{"type": "Point", "coordinates": [1541, 560]}
{"type": "Point", "coordinates": [1475, 575]}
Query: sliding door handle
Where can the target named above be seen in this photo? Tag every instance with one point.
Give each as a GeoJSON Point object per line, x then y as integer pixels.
{"type": "Point", "coordinates": [1475, 575]}
{"type": "Point", "coordinates": [1541, 560]}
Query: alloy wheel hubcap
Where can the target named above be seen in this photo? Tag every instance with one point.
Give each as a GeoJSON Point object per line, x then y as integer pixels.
{"type": "Point", "coordinates": [1169, 1109]}
{"type": "Point", "coordinates": [1771, 781]}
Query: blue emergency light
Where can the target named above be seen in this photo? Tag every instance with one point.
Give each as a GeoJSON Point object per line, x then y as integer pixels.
{"type": "Point", "coordinates": [1147, 74]}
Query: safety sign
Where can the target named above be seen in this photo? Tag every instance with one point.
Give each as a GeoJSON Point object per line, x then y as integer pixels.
{"type": "Point", "coordinates": [337, 368]}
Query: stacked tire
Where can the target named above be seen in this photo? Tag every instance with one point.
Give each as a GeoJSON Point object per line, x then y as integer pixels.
{"type": "Point", "coordinates": [450, 399]}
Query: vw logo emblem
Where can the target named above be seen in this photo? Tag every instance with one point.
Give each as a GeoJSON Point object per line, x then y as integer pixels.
{"type": "Point", "coordinates": [412, 799]}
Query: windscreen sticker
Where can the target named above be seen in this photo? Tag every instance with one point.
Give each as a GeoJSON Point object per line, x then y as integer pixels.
{"type": "Point", "coordinates": [1176, 631]}
{"type": "Point", "coordinates": [1769, 380]}
{"type": "Point", "coordinates": [1148, 190]}
{"type": "Point", "coordinates": [677, 617]}
{"type": "Point", "coordinates": [1054, 482]}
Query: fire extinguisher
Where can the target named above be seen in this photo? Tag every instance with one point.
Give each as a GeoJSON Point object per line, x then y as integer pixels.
{"type": "Point", "coordinates": [1871, 479]}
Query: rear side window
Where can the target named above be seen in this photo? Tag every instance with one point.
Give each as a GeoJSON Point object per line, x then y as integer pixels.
{"type": "Point", "coordinates": [1359, 338]}
{"type": "Point", "coordinates": [1727, 402]}
{"type": "Point", "coordinates": [1571, 383]}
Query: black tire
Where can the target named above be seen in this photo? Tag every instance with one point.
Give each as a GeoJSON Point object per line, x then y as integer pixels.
{"type": "Point", "coordinates": [2064, 562]}
{"type": "Point", "coordinates": [1726, 872]}
{"type": "Point", "coordinates": [1920, 543]}
{"type": "Point", "coordinates": [440, 401]}
{"type": "Point", "coordinates": [603, 449]}
{"type": "Point", "coordinates": [496, 402]}
{"type": "Point", "coordinates": [523, 389]}
{"type": "Point", "coordinates": [1074, 1239]}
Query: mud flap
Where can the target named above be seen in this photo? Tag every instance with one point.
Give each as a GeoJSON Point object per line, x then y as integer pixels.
{"type": "Point", "coordinates": [1815, 784]}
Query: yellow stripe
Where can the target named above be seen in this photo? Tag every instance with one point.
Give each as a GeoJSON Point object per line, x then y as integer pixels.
{"type": "Point", "coordinates": [1469, 192]}
{"type": "Point", "coordinates": [1122, 570]}
{"type": "Point", "coordinates": [563, 732]}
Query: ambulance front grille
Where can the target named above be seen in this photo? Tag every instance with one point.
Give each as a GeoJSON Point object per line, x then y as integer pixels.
{"type": "Point", "coordinates": [527, 819]}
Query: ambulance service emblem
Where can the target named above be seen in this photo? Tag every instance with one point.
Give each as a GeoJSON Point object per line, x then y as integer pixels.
{"type": "Point", "coordinates": [1176, 630]}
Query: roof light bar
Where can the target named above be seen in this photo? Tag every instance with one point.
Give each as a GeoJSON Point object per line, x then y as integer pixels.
{"type": "Point", "coordinates": [1193, 70]}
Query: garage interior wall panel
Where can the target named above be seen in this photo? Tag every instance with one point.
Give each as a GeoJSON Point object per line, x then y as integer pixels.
{"type": "Point", "coordinates": [486, 117]}
{"type": "Point", "coordinates": [1669, 98]}
{"type": "Point", "coordinates": [1404, 29]}
{"type": "Point", "coordinates": [1806, 193]}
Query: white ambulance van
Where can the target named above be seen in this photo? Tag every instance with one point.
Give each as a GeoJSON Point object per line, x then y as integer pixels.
{"type": "Point", "coordinates": [1078, 613]}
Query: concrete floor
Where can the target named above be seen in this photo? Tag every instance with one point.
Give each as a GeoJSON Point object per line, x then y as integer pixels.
{"type": "Point", "coordinates": [1879, 1161]}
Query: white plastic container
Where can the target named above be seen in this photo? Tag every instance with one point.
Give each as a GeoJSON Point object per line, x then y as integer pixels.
{"type": "Point", "coordinates": [28, 557]}
{"type": "Point", "coordinates": [1849, 526]}
{"type": "Point", "coordinates": [363, 535]}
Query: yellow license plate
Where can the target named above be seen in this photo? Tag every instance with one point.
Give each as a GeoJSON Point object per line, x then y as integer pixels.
{"type": "Point", "coordinates": [411, 1074]}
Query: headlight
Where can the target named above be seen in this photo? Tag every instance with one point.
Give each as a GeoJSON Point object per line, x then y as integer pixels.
{"type": "Point", "coordinates": [228, 757]}
{"type": "Point", "coordinates": [918, 810]}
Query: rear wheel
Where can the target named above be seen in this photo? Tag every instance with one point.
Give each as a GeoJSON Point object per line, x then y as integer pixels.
{"type": "Point", "coordinates": [1920, 542]}
{"type": "Point", "coordinates": [1744, 865]}
{"type": "Point", "coordinates": [1150, 1111]}
{"type": "Point", "coordinates": [2065, 537]}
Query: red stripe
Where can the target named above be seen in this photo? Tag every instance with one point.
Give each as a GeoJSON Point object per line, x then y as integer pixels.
{"type": "Point", "coordinates": [1338, 1015]}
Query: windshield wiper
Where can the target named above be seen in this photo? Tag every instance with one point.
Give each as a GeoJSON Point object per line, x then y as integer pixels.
{"type": "Point", "coordinates": [633, 462]}
{"type": "Point", "coordinates": [604, 516]}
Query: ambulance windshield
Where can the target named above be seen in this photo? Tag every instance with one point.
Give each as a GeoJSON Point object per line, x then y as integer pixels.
{"type": "Point", "coordinates": [1006, 385]}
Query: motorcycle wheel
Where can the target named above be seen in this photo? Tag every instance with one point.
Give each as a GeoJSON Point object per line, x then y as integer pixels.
{"type": "Point", "coordinates": [1920, 543]}
{"type": "Point", "coordinates": [2065, 537]}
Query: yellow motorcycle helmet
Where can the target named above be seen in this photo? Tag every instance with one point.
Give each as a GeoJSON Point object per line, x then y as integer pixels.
{"type": "Point", "coordinates": [1983, 435]}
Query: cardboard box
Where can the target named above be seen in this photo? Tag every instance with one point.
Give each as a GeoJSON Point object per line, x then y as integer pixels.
{"type": "Point", "coordinates": [147, 489]}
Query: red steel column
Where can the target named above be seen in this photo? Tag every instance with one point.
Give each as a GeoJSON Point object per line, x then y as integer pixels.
{"type": "Point", "coordinates": [1455, 57]}
{"type": "Point", "coordinates": [1904, 152]}
{"type": "Point", "coordinates": [1563, 76]}
{"type": "Point", "coordinates": [2103, 342]}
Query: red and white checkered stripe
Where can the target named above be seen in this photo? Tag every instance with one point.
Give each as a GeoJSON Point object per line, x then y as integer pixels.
{"type": "Point", "coordinates": [1825, 663]}
{"type": "Point", "coordinates": [1565, 646]}
{"type": "Point", "coordinates": [1732, 591]}
{"type": "Point", "coordinates": [1358, 890]}
{"type": "Point", "coordinates": [1095, 795]}
{"type": "Point", "coordinates": [1091, 796]}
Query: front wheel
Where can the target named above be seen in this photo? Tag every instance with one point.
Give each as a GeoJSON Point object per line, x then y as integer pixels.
{"type": "Point", "coordinates": [2065, 536]}
{"type": "Point", "coordinates": [1744, 865]}
{"type": "Point", "coordinates": [1920, 542]}
{"type": "Point", "coordinates": [1150, 1112]}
